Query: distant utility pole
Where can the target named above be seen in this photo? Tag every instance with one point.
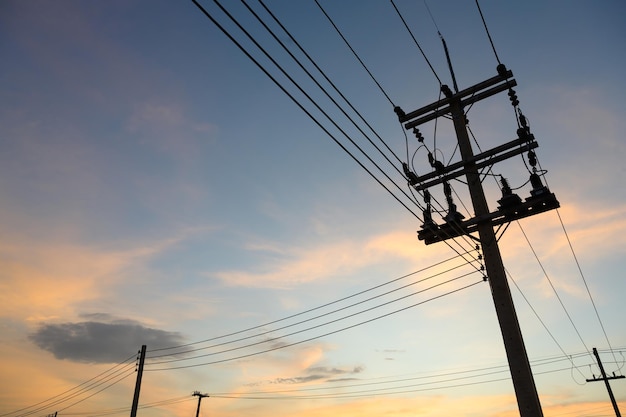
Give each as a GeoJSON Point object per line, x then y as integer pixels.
{"type": "Point", "coordinates": [511, 208]}
{"type": "Point", "coordinates": [606, 382]}
{"type": "Point", "coordinates": [142, 358]}
{"type": "Point", "coordinates": [200, 397]}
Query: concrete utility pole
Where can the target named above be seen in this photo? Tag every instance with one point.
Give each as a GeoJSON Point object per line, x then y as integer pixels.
{"type": "Point", "coordinates": [200, 397]}
{"type": "Point", "coordinates": [142, 358]}
{"type": "Point", "coordinates": [511, 208]}
{"type": "Point", "coordinates": [606, 382]}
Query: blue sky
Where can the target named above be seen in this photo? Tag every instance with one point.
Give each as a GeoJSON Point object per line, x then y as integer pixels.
{"type": "Point", "coordinates": [157, 188]}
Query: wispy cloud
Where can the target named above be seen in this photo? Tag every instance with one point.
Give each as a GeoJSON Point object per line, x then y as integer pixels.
{"type": "Point", "coordinates": [308, 263]}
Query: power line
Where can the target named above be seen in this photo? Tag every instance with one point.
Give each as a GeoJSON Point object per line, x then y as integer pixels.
{"type": "Point", "coordinates": [542, 322]}
{"type": "Point", "coordinates": [354, 53]}
{"type": "Point", "coordinates": [305, 311]}
{"type": "Point", "coordinates": [487, 31]}
{"type": "Point", "coordinates": [316, 317]}
{"type": "Point", "coordinates": [416, 42]}
{"type": "Point", "coordinates": [407, 389]}
{"type": "Point", "coordinates": [469, 374]}
{"type": "Point", "coordinates": [319, 336]}
{"type": "Point", "coordinates": [552, 286]}
{"type": "Point", "coordinates": [328, 79]}
{"type": "Point", "coordinates": [76, 390]}
{"type": "Point", "coordinates": [300, 105]}
{"type": "Point", "coordinates": [274, 339]}
{"type": "Point", "coordinates": [582, 275]}
{"type": "Point", "coordinates": [282, 44]}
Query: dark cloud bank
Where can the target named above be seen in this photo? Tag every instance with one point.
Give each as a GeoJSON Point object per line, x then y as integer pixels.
{"type": "Point", "coordinates": [100, 341]}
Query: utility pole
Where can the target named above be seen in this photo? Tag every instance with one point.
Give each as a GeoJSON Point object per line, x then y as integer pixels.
{"type": "Point", "coordinates": [606, 381]}
{"type": "Point", "coordinates": [142, 358]}
{"type": "Point", "coordinates": [200, 397]}
{"type": "Point", "coordinates": [511, 208]}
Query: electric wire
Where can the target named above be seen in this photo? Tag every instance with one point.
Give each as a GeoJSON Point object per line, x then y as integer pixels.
{"type": "Point", "coordinates": [321, 335]}
{"type": "Point", "coordinates": [510, 277]}
{"type": "Point", "coordinates": [552, 286]}
{"type": "Point", "coordinates": [100, 390]}
{"type": "Point", "coordinates": [375, 392]}
{"type": "Point", "coordinates": [307, 72]}
{"type": "Point", "coordinates": [85, 387]}
{"type": "Point", "coordinates": [113, 411]}
{"type": "Point", "coordinates": [339, 300]}
{"type": "Point", "coordinates": [569, 242]}
{"type": "Point", "coordinates": [358, 58]}
{"type": "Point", "coordinates": [274, 339]}
{"type": "Point", "coordinates": [482, 17]}
{"type": "Point", "coordinates": [300, 105]}
{"type": "Point", "coordinates": [416, 42]}
{"type": "Point", "coordinates": [328, 79]}
{"type": "Point", "coordinates": [312, 318]}
{"type": "Point", "coordinates": [116, 378]}
{"type": "Point", "coordinates": [354, 53]}
{"type": "Point", "coordinates": [469, 374]}
{"type": "Point", "coordinates": [431, 16]}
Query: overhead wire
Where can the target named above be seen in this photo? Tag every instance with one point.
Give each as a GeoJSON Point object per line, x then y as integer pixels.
{"type": "Point", "coordinates": [282, 44]}
{"type": "Point", "coordinates": [77, 390]}
{"type": "Point", "coordinates": [300, 105]}
{"type": "Point", "coordinates": [120, 410]}
{"type": "Point", "coordinates": [518, 111]}
{"type": "Point", "coordinates": [416, 42]}
{"type": "Point", "coordinates": [468, 374]}
{"type": "Point", "coordinates": [379, 391]}
{"type": "Point", "coordinates": [286, 345]}
{"type": "Point", "coordinates": [314, 317]}
{"type": "Point", "coordinates": [382, 90]}
{"type": "Point", "coordinates": [310, 310]}
{"type": "Point", "coordinates": [273, 339]}
{"type": "Point", "coordinates": [510, 277]}
{"type": "Point", "coordinates": [595, 308]}
{"type": "Point", "coordinates": [487, 31]}
{"type": "Point", "coordinates": [323, 73]}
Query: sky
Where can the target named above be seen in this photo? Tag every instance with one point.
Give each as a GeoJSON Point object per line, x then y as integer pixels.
{"type": "Point", "coordinates": [158, 188]}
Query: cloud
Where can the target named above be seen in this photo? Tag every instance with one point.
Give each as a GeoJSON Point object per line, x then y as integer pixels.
{"type": "Point", "coordinates": [298, 265]}
{"type": "Point", "coordinates": [100, 342]}
{"type": "Point", "coordinates": [314, 373]}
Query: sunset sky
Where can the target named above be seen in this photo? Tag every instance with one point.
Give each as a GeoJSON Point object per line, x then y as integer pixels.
{"type": "Point", "coordinates": [158, 188]}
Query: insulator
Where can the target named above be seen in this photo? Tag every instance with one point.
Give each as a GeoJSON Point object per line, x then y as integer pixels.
{"type": "Point", "coordinates": [447, 190]}
{"type": "Point", "coordinates": [446, 91]}
{"type": "Point", "coordinates": [426, 196]}
{"type": "Point", "coordinates": [532, 158]}
{"type": "Point", "coordinates": [535, 181]}
{"type": "Point", "coordinates": [418, 135]}
{"type": "Point", "coordinates": [522, 119]}
{"type": "Point", "coordinates": [513, 97]}
{"type": "Point", "coordinates": [506, 189]}
{"type": "Point", "coordinates": [410, 175]}
{"type": "Point", "coordinates": [501, 68]}
{"type": "Point", "coordinates": [523, 133]}
{"type": "Point", "coordinates": [401, 114]}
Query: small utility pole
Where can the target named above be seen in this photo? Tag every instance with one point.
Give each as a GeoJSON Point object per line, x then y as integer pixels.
{"type": "Point", "coordinates": [511, 208]}
{"type": "Point", "coordinates": [142, 358]}
{"type": "Point", "coordinates": [606, 382]}
{"type": "Point", "coordinates": [200, 397]}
